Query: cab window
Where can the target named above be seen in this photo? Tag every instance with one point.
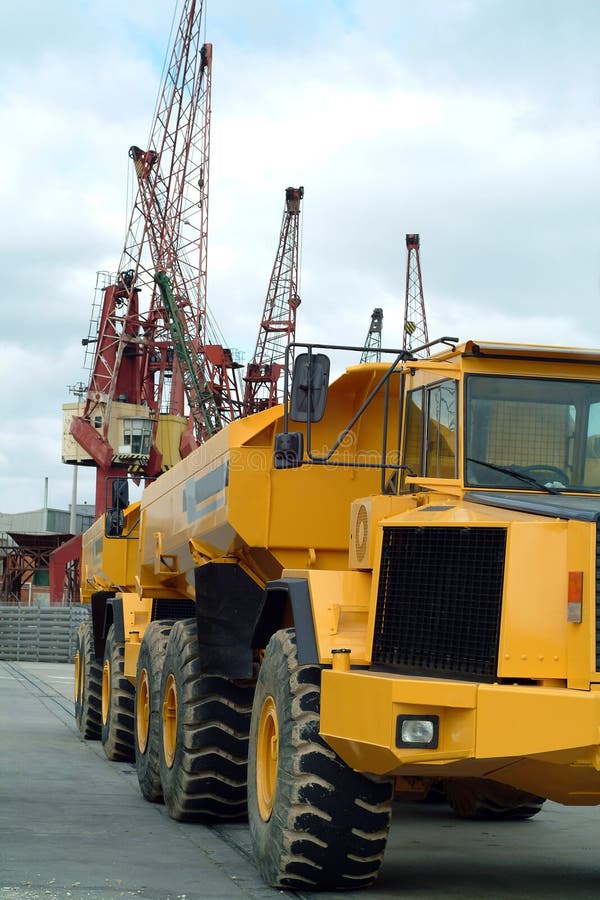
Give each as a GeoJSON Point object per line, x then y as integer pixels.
{"type": "Point", "coordinates": [431, 428]}
{"type": "Point", "coordinates": [527, 432]}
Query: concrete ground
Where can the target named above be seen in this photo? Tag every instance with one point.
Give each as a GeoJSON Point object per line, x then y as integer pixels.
{"type": "Point", "coordinates": [73, 824]}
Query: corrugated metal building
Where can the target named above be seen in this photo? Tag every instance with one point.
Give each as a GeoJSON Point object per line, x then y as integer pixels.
{"type": "Point", "coordinates": [26, 541]}
{"type": "Point", "coordinates": [55, 521]}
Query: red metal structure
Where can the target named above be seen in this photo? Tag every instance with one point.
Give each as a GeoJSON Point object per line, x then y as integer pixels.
{"type": "Point", "coordinates": [415, 321]}
{"type": "Point", "coordinates": [115, 374]}
{"type": "Point", "coordinates": [278, 323]}
{"type": "Point", "coordinates": [159, 367]}
{"type": "Point", "coordinates": [64, 572]}
{"type": "Point", "coordinates": [173, 200]}
{"type": "Point", "coordinates": [29, 557]}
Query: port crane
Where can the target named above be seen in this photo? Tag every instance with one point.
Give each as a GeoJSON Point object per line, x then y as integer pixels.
{"type": "Point", "coordinates": [278, 322]}
{"type": "Point", "coordinates": [372, 345]}
{"type": "Point", "coordinates": [161, 380]}
{"type": "Point", "coordinates": [415, 320]}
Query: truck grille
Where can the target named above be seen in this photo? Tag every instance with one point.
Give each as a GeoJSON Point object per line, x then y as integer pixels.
{"type": "Point", "coordinates": [173, 609]}
{"type": "Point", "coordinates": [439, 600]}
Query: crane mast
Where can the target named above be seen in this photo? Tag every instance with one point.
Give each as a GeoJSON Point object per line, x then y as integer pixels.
{"type": "Point", "coordinates": [203, 407]}
{"type": "Point", "coordinates": [415, 321]}
{"type": "Point", "coordinates": [278, 323]}
{"type": "Point", "coordinates": [161, 377]}
{"type": "Point", "coordinates": [173, 178]}
{"type": "Point", "coordinates": [372, 345]}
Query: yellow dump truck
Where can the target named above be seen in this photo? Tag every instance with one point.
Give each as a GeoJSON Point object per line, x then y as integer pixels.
{"type": "Point", "coordinates": [388, 584]}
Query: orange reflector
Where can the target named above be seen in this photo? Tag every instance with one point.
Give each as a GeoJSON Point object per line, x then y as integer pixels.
{"type": "Point", "coordinates": [575, 587]}
{"type": "Point", "coordinates": [574, 597]}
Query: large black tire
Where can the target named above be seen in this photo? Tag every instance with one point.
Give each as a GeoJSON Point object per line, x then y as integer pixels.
{"type": "Point", "coordinates": [88, 686]}
{"type": "Point", "coordinates": [478, 798]}
{"type": "Point", "coordinates": [148, 708]}
{"type": "Point", "coordinates": [117, 703]}
{"type": "Point", "coordinates": [205, 721]}
{"type": "Point", "coordinates": [314, 822]}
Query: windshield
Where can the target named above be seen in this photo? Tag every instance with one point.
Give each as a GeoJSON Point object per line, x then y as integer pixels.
{"type": "Point", "coordinates": [523, 431]}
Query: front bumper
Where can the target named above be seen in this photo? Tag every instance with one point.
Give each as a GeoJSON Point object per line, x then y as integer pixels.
{"type": "Point", "coordinates": [533, 737]}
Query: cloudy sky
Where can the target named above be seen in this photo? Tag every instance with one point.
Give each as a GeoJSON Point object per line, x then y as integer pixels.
{"type": "Point", "coordinates": [473, 122]}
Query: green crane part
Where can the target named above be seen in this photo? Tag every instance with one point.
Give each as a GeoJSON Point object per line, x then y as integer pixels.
{"type": "Point", "coordinates": [203, 408]}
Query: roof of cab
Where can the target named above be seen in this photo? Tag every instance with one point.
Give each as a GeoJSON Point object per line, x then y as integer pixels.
{"type": "Point", "coordinates": [520, 351]}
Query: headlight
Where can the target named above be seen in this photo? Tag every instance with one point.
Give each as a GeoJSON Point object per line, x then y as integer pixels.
{"type": "Point", "coordinates": [417, 731]}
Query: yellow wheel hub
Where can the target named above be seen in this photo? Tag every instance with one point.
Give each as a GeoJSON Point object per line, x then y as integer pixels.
{"type": "Point", "coordinates": [143, 711]}
{"type": "Point", "coordinates": [105, 691]}
{"type": "Point", "coordinates": [267, 758]}
{"type": "Point", "coordinates": [169, 720]}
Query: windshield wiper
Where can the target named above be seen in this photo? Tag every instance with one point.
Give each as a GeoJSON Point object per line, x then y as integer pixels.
{"type": "Point", "coordinates": [520, 476]}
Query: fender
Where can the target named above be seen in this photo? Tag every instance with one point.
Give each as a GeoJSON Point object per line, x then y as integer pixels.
{"type": "Point", "coordinates": [107, 609]}
{"type": "Point", "coordinates": [278, 597]}
{"type": "Point", "coordinates": [228, 603]}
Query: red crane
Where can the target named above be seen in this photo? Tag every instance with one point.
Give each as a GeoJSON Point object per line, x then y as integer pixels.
{"type": "Point", "coordinates": [415, 321]}
{"type": "Point", "coordinates": [156, 345]}
{"type": "Point", "coordinates": [278, 323]}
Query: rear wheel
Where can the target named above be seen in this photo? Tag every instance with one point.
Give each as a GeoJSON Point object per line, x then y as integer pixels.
{"type": "Point", "coordinates": [148, 709]}
{"type": "Point", "coordinates": [88, 686]}
{"type": "Point", "coordinates": [314, 822]}
{"type": "Point", "coordinates": [117, 702]}
{"type": "Point", "coordinates": [204, 727]}
{"type": "Point", "coordinates": [478, 798]}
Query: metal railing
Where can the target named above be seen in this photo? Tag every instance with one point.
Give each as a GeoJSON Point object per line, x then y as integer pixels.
{"type": "Point", "coordinates": [40, 634]}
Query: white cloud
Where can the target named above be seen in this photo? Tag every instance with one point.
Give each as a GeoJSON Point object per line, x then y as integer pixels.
{"type": "Point", "coordinates": [473, 124]}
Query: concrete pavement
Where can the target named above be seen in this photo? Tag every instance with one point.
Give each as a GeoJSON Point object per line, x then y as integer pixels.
{"type": "Point", "coordinates": [74, 825]}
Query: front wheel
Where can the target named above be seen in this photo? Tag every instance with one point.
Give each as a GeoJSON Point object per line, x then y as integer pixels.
{"type": "Point", "coordinates": [478, 798]}
{"type": "Point", "coordinates": [314, 822]}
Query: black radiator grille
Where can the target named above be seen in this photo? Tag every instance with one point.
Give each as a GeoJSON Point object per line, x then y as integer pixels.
{"type": "Point", "coordinates": [439, 600]}
{"type": "Point", "coordinates": [166, 608]}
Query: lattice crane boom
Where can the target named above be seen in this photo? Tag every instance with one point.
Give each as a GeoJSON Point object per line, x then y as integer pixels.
{"type": "Point", "coordinates": [372, 346]}
{"type": "Point", "coordinates": [415, 320]}
{"type": "Point", "coordinates": [278, 323]}
{"type": "Point", "coordinates": [203, 408]}
{"type": "Point", "coordinates": [174, 196]}
{"type": "Point", "coordinates": [138, 362]}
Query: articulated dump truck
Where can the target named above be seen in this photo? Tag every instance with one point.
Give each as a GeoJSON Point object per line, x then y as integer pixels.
{"type": "Point", "coordinates": [385, 587]}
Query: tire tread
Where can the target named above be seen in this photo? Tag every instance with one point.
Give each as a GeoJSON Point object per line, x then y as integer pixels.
{"type": "Point", "coordinates": [329, 825]}
{"type": "Point", "coordinates": [208, 780]}
{"type": "Point", "coordinates": [88, 706]}
{"type": "Point", "coordinates": [118, 730]}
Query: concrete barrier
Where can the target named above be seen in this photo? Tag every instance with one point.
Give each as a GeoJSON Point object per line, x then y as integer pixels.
{"type": "Point", "coordinates": [40, 634]}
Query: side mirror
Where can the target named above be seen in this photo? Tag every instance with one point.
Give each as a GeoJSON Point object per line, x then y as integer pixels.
{"type": "Point", "coordinates": [309, 387]}
{"type": "Point", "coordinates": [114, 520]}
{"type": "Point", "coordinates": [120, 493]}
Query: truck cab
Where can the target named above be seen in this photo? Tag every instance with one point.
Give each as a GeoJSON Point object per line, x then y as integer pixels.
{"type": "Point", "coordinates": [475, 570]}
{"type": "Point", "coordinates": [523, 419]}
